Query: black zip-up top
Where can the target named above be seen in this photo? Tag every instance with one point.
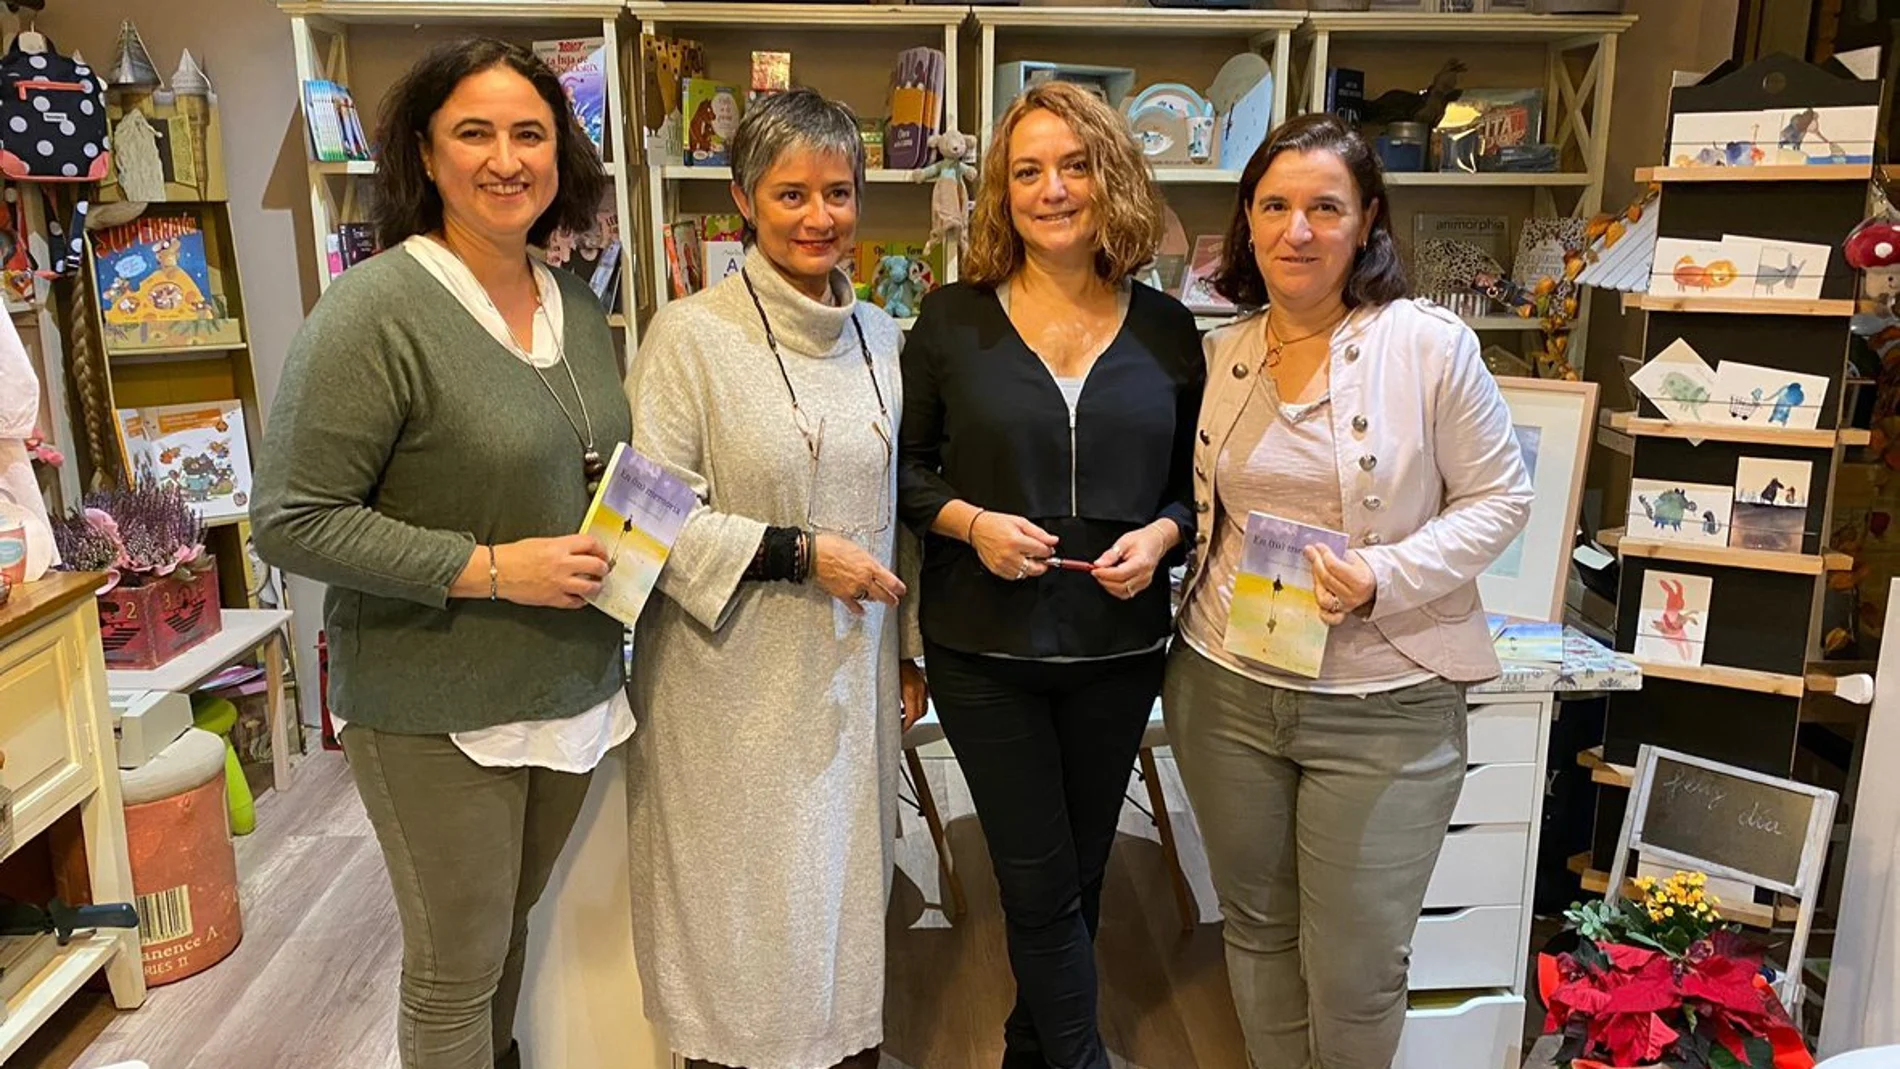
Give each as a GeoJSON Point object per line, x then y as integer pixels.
{"type": "Point", "coordinates": [985, 421]}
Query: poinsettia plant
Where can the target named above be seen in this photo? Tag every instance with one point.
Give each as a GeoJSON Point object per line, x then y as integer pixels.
{"type": "Point", "coordinates": [1663, 980]}
{"type": "Point", "coordinates": [135, 536]}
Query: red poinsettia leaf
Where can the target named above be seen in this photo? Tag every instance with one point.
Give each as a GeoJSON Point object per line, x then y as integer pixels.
{"type": "Point", "coordinates": [1629, 958]}
{"type": "Point", "coordinates": [1735, 996]}
{"type": "Point", "coordinates": [1637, 1039]}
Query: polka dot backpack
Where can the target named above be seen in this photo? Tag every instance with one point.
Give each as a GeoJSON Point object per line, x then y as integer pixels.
{"type": "Point", "coordinates": [52, 118]}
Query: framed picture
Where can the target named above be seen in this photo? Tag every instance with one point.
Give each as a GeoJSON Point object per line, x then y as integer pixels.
{"type": "Point", "coordinates": [1553, 421]}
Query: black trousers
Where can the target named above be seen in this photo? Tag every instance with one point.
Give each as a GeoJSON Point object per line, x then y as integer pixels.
{"type": "Point", "coordinates": [1047, 749]}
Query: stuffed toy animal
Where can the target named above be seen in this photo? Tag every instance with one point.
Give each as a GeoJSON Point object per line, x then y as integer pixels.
{"type": "Point", "coordinates": [953, 175]}
{"type": "Point", "coordinates": [898, 286]}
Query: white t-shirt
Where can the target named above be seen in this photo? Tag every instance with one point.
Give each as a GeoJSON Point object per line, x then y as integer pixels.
{"type": "Point", "coordinates": [576, 743]}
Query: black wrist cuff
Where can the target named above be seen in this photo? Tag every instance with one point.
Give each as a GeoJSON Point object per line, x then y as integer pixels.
{"type": "Point", "coordinates": [779, 556]}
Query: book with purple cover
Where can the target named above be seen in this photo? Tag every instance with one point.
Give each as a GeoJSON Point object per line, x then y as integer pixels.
{"type": "Point", "coordinates": [1274, 617]}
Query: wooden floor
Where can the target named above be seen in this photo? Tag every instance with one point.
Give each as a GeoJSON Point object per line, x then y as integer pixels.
{"type": "Point", "coordinates": [312, 985]}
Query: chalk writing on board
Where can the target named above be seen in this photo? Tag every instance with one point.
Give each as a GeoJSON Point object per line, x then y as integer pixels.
{"type": "Point", "coordinates": [1728, 819]}
{"type": "Point", "coordinates": [1684, 785]}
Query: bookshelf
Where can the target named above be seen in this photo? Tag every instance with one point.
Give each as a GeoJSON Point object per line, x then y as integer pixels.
{"type": "Point", "coordinates": [845, 51]}
{"type": "Point", "coordinates": [365, 45]}
{"type": "Point", "coordinates": [1572, 58]}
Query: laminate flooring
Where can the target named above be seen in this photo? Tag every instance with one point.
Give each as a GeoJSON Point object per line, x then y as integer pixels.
{"type": "Point", "coordinates": [312, 985]}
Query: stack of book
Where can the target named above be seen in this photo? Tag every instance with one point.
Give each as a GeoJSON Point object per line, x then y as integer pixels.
{"type": "Point", "coordinates": [336, 129]}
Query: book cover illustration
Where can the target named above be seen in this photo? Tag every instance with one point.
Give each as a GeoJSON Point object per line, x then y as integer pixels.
{"type": "Point", "coordinates": [916, 108]}
{"type": "Point", "coordinates": [155, 285]}
{"type": "Point", "coordinates": [581, 65]}
{"type": "Point", "coordinates": [200, 449]}
{"type": "Point", "coordinates": [1274, 618]}
{"type": "Point", "coordinates": [1535, 641]}
{"type": "Point", "coordinates": [168, 141]}
{"type": "Point", "coordinates": [712, 116]}
{"type": "Point", "coordinates": [637, 514]}
{"type": "Point", "coordinates": [722, 241]}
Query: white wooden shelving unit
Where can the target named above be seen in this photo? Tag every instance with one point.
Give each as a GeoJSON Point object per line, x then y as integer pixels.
{"type": "Point", "coordinates": [1578, 59]}
{"type": "Point", "coordinates": [844, 51]}
{"type": "Point", "coordinates": [323, 33]}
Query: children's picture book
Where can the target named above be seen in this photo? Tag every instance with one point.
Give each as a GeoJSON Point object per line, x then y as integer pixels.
{"type": "Point", "coordinates": [156, 287]}
{"type": "Point", "coordinates": [199, 448]}
{"type": "Point", "coordinates": [1197, 282]}
{"type": "Point", "coordinates": [581, 64]}
{"type": "Point", "coordinates": [336, 129]}
{"type": "Point", "coordinates": [637, 514]}
{"type": "Point", "coordinates": [1274, 618]}
{"type": "Point", "coordinates": [916, 105]}
{"type": "Point", "coordinates": [1529, 642]}
{"type": "Point", "coordinates": [722, 243]}
{"type": "Point", "coordinates": [712, 116]}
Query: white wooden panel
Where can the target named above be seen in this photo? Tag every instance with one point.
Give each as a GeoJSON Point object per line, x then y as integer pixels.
{"type": "Point", "coordinates": [1497, 794]}
{"type": "Point", "coordinates": [1452, 1031]}
{"type": "Point", "coordinates": [1476, 947]}
{"type": "Point", "coordinates": [1503, 732]}
{"type": "Point", "coordinates": [1481, 866]}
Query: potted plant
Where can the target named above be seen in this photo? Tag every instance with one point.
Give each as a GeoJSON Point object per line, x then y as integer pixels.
{"type": "Point", "coordinates": [1662, 980]}
{"type": "Point", "coordinates": [161, 592]}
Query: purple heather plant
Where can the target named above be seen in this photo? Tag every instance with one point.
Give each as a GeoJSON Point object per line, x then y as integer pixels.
{"type": "Point", "coordinates": [137, 535]}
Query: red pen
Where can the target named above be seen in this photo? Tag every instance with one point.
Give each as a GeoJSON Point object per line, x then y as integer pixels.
{"type": "Point", "coordinates": [1069, 565]}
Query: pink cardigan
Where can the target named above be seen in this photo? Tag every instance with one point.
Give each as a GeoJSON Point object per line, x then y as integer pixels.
{"type": "Point", "coordinates": [1432, 483]}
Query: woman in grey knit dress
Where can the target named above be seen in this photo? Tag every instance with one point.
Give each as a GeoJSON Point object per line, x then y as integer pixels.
{"type": "Point", "coordinates": [767, 677]}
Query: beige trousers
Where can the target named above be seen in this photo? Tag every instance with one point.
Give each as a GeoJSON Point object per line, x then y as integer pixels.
{"type": "Point", "coordinates": [1323, 817]}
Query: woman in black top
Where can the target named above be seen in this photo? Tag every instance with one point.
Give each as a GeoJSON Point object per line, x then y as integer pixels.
{"type": "Point", "coordinates": [1049, 408]}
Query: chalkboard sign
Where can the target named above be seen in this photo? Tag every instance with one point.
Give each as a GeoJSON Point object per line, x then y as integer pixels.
{"type": "Point", "coordinates": [1757, 827]}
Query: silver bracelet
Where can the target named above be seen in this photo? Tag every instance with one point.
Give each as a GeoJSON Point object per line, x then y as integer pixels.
{"type": "Point", "coordinates": [494, 577]}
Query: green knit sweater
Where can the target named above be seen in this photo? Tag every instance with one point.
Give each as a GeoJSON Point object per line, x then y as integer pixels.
{"type": "Point", "coordinates": [402, 436]}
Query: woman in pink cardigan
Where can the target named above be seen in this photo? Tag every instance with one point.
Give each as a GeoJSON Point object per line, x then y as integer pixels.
{"type": "Point", "coordinates": [1342, 404]}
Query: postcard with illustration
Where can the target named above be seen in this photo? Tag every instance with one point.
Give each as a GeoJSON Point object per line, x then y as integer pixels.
{"type": "Point", "coordinates": [1771, 504]}
{"type": "Point", "coordinates": [1785, 269]}
{"type": "Point", "coordinates": [1770, 397]}
{"type": "Point", "coordinates": [1672, 622]}
{"type": "Point", "coordinates": [1662, 510]}
{"type": "Point", "coordinates": [1684, 268]}
{"type": "Point", "coordinates": [1680, 384]}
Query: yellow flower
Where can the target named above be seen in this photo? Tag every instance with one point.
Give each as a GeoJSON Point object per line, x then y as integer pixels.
{"type": "Point", "coordinates": [1645, 882]}
{"type": "Point", "coordinates": [1669, 912]}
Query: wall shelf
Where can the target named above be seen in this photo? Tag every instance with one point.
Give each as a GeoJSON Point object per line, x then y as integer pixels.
{"type": "Point", "coordinates": [1757, 559]}
{"type": "Point", "coordinates": [1738, 306]}
{"type": "Point", "coordinates": [681, 172]}
{"type": "Point", "coordinates": [1603, 773]}
{"type": "Point", "coordinates": [825, 16]}
{"type": "Point", "coordinates": [1491, 179]}
{"type": "Point", "coordinates": [1498, 27]}
{"type": "Point", "coordinates": [1646, 427]}
{"type": "Point", "coordinates": [1826, 172]}
{"type": "Point", "coordinates": [1776, 683]}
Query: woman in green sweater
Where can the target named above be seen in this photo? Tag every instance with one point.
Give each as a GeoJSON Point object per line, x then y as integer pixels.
{"type": "Point", "coordinates": [431, 450]}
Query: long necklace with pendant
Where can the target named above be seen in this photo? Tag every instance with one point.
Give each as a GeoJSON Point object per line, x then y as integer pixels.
{"type": "Point", "coordinates": [592, 466]}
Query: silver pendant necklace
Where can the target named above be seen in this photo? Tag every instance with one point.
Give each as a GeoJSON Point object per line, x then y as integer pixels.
{"type": "Point", "coordinates": [592, 466]}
